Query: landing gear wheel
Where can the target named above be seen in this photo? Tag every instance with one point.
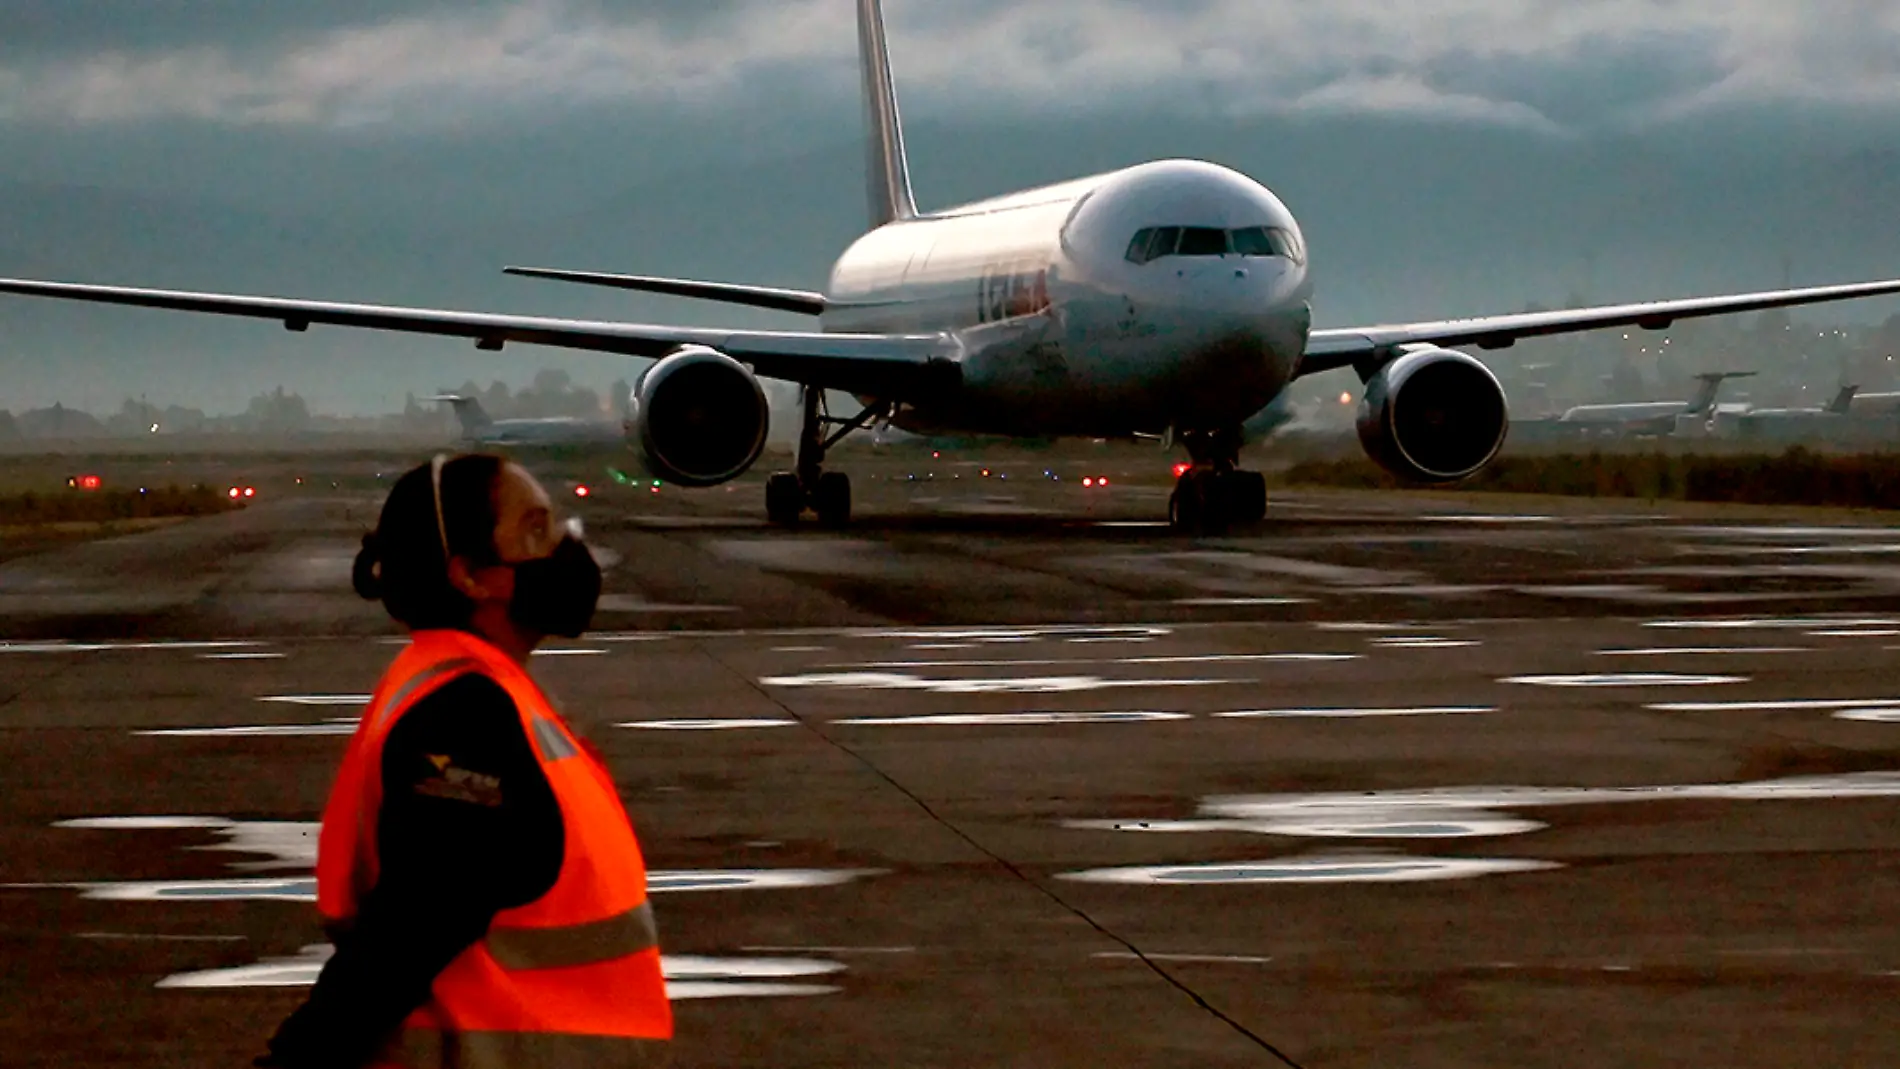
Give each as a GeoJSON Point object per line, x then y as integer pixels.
{"type": "Point", "coordinates": [831, 499]}
{"type": "Point", "coordinates": [784, 499]}
{"type": "Point", "coordinates": [1188, 505]}
{"type": "Point", "coordinates": [1247, 500]}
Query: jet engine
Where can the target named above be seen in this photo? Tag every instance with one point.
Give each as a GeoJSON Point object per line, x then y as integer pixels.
{"type": "Point", "coordinates": [1433, 415]}
{"type": "Point", "coordinates": [699, 417]}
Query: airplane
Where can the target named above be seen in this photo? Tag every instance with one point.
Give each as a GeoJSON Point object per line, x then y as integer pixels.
{"type": "Point", "coordinates": [1170, 299]}
{"type": "Point", "coordinates": [1653, 417]}
{"type": "Point", "coordinates": [552, 431]}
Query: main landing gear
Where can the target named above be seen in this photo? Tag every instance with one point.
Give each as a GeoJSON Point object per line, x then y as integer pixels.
{"type": "Point", "coordinates": [828, 493]}
{"type": "Point", "coordinates": [1214, 494]}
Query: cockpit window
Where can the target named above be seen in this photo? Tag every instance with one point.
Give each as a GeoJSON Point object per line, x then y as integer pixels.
{"type": "Point", "coordinates": [1202, 241]}
{"type": "Point", "coordinates": [1152, 243]}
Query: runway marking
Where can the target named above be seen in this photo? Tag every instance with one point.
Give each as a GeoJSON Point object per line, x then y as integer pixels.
{"type": "Point", "coordinates": [1869, 633]}
{"type": "Point", "coordinates": [242, 656]}
{"type": "Point", "coordinates": [317, 699]}
{"type": "Point", "coordinates": [1011, 634]}
{"type": "Point", "coordinates": [1343, 822]}
{"type": "Point", "coordinates": [1422, 642]}
{"type": "Point", "coordinates": [569, 651]}
{"type": "Point", "coordinates": [826, 950]}
{"type": "Point", "coordinates": [1674, 651]}
{"type": "Point", "coordinates": [800, 649]}
{"type": "Point", "coordinates": [1010, 719]}
{"type": "Point", "coordinates": [1355, 869]}
{"type": "Point", "coordinates": [328, 727]}
{"type": "Point", "coordinates": [97, 647]}
{"type": "Point", "coordinates": [1210, 959]}
{"type": "Point", "coordinates": [711, 723]}
{"type": "Point", "coordinates": [1782, 705]}
{"type": "Point", "coordinates": [1377, 627]}
{"type": "Point", "coordinates": [629, 604]}
{"type": "Point", "coordinates": [1336, 711]}
{"type": "Point", "coordinates": [1625, 679]}
{"type": "Point", "coordinates": [1014, 685]}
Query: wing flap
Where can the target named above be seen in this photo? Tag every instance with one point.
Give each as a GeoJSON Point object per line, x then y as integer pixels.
{"type": "Point", "coordinates": [783, 300]}
{"type": "Point", "coordinates": [889, 366]}
{"type": "Point", "coordinates": [1330, 349]}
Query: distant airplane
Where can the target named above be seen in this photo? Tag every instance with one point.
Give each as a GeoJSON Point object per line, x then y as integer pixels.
{"type": "Point", "coordinates": [1654, 417]}
{"type": "Point", "coordinates": [1170, 298]}
{"type": "Point", "coordinates": [552, 431]}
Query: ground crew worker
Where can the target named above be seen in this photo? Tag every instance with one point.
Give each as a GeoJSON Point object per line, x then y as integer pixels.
{"type": "Point", "coordinates": [475, 869]}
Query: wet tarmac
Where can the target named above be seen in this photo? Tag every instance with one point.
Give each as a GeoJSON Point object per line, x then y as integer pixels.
{"type": "Point", "coordinates": [1395, 780]}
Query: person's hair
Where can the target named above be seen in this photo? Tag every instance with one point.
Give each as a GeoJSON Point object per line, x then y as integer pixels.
{"type": "Point", "coordinates": [401, 562]}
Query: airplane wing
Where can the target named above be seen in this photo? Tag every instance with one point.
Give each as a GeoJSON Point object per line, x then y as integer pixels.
{"type": "Point", "coordinates": [888, 366]}
{"type": "Point", "coordinates": [1370, 347]}
{"type": "Point", "coordinates": [782, 300]}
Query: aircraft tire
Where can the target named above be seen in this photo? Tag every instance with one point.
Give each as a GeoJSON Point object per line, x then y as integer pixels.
{"type": "Point", "coordinates": [1188, 506]}
{"type": "Point", "coordinates": [784, 499]}
{"type": "Point", "coordinates": [1246, 496]}
{"type": "Point", "coordinates": [831, 499]}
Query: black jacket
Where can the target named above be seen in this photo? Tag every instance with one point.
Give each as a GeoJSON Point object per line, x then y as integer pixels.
{"type": "Point", "coordinates": [468, 827]}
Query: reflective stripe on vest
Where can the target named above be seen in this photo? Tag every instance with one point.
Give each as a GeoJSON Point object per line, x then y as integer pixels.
{"type": "Point", "coordinates": [421, 1048]}
{"type": "Point", "coordinates": [575, 944]}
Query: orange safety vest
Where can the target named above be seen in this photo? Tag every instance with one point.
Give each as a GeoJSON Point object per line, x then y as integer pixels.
{"type": "Point", "coordinates": [570, 979]}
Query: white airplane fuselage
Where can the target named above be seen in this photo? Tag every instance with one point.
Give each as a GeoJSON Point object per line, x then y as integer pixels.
{"type": "Point", "coordinates": [1062, 331]}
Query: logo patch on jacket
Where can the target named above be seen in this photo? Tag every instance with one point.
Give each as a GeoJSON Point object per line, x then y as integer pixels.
{"type": "Point", "coordinates": [459, 784]}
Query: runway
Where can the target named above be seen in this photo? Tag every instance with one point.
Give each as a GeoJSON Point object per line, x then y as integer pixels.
{"type": "Point", "coordinates": [1011, 777]}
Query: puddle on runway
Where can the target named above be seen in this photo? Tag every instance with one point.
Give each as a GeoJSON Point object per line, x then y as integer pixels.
{"type": "Point", "coordinates": [341, 726]}
{"type": "Point", "coordinates": [1393, 868]}
{"type": "Point", "coordinates": [1185, 959]}
{"type": "Point", "coordinates": [1470, 812]}
{"type": "Point", "coordinates": [101, 647]}
{"type": "Point", "coordinates": [1054, 662]}
{"type": "Point", "coordinates": [288, 843]}
{"type": "Point", "coordinates": [1625, 679]}
{"type": "Point", "coordinates": [706, 724]}
{"type": "Point", "coordinates": [1010, 719]}
{"type": "Point", "coordinates": [1689, 651]}
{"type": "Point", "coordinates": [688, 976]}
{"type": "Point", "coordinates": [1012, 634]}
{"type": "Point", "coordinates": [1772, 623]}
{"type": "Point", "coordinates": [1239, 602]}
{"type": "Point", "coordinates": [1006, 685]}
{"type": "Point", "coordinates": [1788, 705]}
{"type": "Point", "coordinates": [1877, 715]}
{"type": "Point", "coordinates": [1327, 712]}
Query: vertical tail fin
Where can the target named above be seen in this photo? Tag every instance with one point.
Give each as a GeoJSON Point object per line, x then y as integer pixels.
{"type": "Point", "coordinates": [1704, 402]}
{"type": "Point", "coordinates": [468, 410]}
{"type": "Point", "coordinates": [887, 173]}
{"type": "Point", "coordinates": [1843, 401]}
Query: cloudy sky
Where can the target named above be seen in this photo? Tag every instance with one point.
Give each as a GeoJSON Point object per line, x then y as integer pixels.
{"type": "Point", "coordinates": [1483, 153]}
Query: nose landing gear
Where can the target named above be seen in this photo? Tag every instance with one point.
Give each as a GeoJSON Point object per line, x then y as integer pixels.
{"type": "Point", "coordinates": [1214, 494]}
{"type": "Point", "coordinates": [827, 493]}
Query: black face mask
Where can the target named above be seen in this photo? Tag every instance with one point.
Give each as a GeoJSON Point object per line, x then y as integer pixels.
{"type": "Point", "coordinates": [556, 594]}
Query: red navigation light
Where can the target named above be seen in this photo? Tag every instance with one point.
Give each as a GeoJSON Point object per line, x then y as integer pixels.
{"type": "Point", "coordinates": [935, 455]}
{"type": "Point", "coordinates": [86, 482]}
{"type": "Point", "coordinates": [235, 493]}
{"type": "Point", "coordinates": [1181, 469]}
{"type": "Point", "coordinates": [1101, 480]}
{"type": "Point", "coordinates": [250, 491]}
{"type": "Point", "coordinates": [1087, 482]}
{"type": "Point", "coordinates": [581, 491]}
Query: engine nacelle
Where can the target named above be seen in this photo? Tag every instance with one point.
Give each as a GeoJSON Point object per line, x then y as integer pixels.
{"type": "Point", "coordinates": [1433, 415]}
{"type": "Point", "coordinates": [699, 417]}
